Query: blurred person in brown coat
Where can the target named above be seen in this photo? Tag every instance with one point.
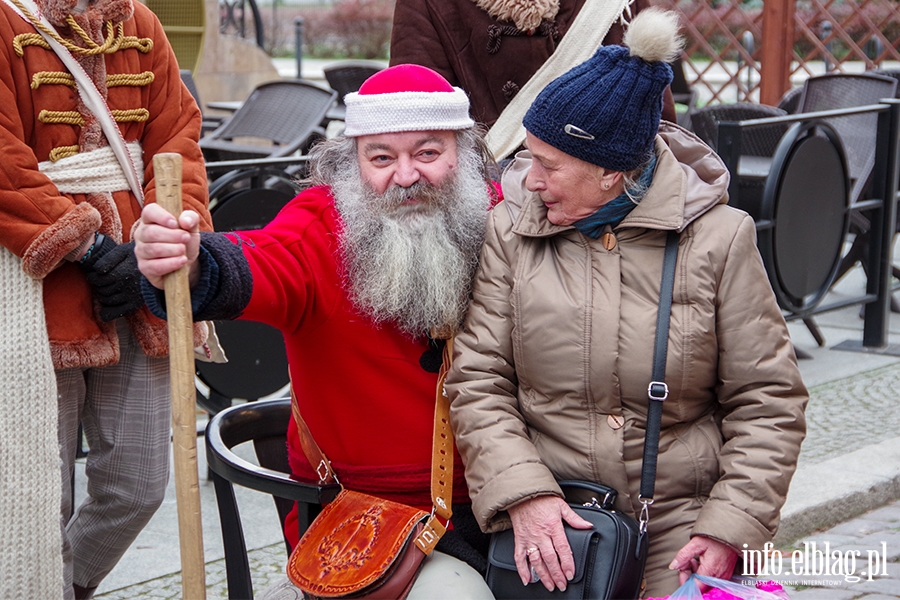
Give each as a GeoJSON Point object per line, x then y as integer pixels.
{"type": "Point", "coordinates": [490, 48]}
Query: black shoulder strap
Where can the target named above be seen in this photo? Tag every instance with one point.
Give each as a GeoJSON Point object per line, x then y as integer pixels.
{"type": "Point", "coordinates": [658, 391]}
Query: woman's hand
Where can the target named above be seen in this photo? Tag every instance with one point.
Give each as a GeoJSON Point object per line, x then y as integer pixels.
{"type": "Point", "coordinates": [705, 556]}
{"type": "Point", "coordinates": [163, 244]}
{"type": "Point", "coordinates": [541, 542]}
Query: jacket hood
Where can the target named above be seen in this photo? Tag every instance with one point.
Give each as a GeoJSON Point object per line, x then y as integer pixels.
{"type": "Point", "coordinates": [690, 179]}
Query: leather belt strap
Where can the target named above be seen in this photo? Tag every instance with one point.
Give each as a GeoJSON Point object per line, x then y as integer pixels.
{"type": "Point", "coordinates": [441, 460]}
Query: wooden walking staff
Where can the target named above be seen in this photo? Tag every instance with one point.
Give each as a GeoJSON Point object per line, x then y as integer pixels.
{"type": "Point", "coordinates": [167, 169]}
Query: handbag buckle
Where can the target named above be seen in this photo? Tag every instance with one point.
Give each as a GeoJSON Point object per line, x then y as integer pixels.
{"type": "Point", "coordinates": [658, 390]}
{"type": "Point", "coordinates": [644, 519]}
{"type": "Point", "coordinates": [596, 504]}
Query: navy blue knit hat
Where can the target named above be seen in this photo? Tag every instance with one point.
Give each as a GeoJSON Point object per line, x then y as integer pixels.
{"type": "Point", "coordinates": [606, 110]}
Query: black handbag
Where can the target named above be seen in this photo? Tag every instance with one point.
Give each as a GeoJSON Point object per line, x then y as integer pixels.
{"type": "Point", "coordinates": [610, 558]}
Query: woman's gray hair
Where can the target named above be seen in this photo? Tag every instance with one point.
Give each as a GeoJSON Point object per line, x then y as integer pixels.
{"type": "Point", "coordinates": [634, 189]}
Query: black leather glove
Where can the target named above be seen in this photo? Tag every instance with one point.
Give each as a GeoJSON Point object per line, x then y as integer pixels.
{"type": "Point", "coordinates": [112, 271]}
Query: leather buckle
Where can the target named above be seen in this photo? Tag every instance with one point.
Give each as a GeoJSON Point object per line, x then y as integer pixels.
{"type": "Point", "coordinates": [323, 471]}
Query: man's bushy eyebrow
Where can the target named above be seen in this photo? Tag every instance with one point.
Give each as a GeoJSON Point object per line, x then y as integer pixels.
{"type": "Point", "coordinates": [429, 139]}
{"type": "Point", "coordinates": [375, 146]}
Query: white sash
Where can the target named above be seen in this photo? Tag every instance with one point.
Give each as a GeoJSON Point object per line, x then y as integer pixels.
{"type": "Point", "coordinates": [91, 172]}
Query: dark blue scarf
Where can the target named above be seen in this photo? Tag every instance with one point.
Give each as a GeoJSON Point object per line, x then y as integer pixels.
{"type": "Point", "coordinates": [616, 209]}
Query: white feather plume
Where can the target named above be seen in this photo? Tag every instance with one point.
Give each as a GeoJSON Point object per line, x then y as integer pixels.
{"type": "Point", "coordinates": [653, 35]}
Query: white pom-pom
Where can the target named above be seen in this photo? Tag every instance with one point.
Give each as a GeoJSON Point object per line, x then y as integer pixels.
{"type": "Point", "coordinates": [653, 35]}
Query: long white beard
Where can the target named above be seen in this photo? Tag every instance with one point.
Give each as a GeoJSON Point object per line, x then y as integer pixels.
{"type": "Point", "coordinates": [412, 265]}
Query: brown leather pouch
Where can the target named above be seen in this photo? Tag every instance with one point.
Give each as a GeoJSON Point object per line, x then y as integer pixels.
{"type": "Point", "coordinates": [362, 546]}
{"type": "Point", "coordinates": [359, 546]}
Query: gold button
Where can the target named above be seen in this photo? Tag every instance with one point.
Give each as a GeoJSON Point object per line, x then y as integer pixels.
{"type": "Point", "coordinates": [608, 240]}
{"type": "Point", "coordinates": [615, 421]}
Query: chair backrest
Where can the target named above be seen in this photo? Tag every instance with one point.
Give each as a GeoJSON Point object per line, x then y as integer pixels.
{"type": "Point", "coordinates": [257, 362]}
{"type": "Point", "coordinates": [892, 73]}
{"type": "Point", "coordinates": [346, 76]}
{"type": "Point", "coordinates": [857, 132]}
{"type": "Point", "coordinates": [188, 79]}
{"type": "Point", "coordinates": [755, 141]}
{"type": "Point", "coordinates": [682, 93]}
{"type": "Point", "coordinates": [209, 123]}
{"type": "Point", "coordinates": [265, 424]}
{"type": "Point", "coordinates": [285, 113]}
{"type": "Point", "coordinates": [790, 101]}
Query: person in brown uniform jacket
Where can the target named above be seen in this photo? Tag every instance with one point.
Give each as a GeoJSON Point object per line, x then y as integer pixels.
{"type": "Point", "coordinates": [67, 210]}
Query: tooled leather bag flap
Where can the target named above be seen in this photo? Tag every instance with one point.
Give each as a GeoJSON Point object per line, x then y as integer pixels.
{"type": "Point", "coordinates": [353, 542]}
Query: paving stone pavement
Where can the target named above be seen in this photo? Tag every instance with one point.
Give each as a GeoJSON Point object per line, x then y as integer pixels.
{"type": "Point", "coordinates": [266, 567]}
{"type": "Point", "coordinates": [841, 415]}
{"type": "Point", "coordinates": [834, 429]}
{"type": "Point", "coordinates": [865, 552]}
{"type": "Point", "coordinates": [872, 540]}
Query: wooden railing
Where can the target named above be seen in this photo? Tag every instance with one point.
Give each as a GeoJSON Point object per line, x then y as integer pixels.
{"type": "Point", "coordinates": [740, 50]}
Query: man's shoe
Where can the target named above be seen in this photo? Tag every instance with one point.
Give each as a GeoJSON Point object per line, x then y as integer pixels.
{"type": "Point", "coordinates": [84, 593]}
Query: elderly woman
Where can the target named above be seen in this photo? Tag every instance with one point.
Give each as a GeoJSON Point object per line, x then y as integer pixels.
{"type": "Point", "coordinates": [551, 370]}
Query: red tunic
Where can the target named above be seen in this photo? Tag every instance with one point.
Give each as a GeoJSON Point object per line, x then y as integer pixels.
{"type": "Point", "coordinates": [360, 388]}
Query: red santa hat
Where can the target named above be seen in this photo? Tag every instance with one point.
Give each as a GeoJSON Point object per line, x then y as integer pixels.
{"type": "Point", "coordinates": [405, 98]}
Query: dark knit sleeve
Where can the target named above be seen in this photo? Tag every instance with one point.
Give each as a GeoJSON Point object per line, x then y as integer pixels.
{"type": "Point", "coordinates": [224, 286]}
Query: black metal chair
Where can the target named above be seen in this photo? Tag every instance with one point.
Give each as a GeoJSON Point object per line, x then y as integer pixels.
{"type": "Point", "coordinates": [758, 141]}
{"type": "Point", "coordinates": [790, 101]}
{"type": "Point", "coordinates": [279, 118]}
{"type": "Point", "coordinates": [244, 198]}
{"type": "Point", "coordinates": [857, 134]}
{"type": "Point", "coordinates": [210, 123]}
{"type": "Point", "coordinates": [809, 176]}
{"type": "Point", "coordinates": [892, 73]}
{"type": "Point", "coordinates": [265, 424]}
{"type": "Point", "coordinates": [683, 94]}
{"type": "Point", "coordinates": [347, 76]}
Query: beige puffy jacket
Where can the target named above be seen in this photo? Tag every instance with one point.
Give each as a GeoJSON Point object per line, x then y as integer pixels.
{"type": "Point", "coordinates": [558, 344]}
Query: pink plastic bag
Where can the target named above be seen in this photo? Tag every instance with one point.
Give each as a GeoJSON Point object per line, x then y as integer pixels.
{"type": "Point", "coordinates": [723, 589]}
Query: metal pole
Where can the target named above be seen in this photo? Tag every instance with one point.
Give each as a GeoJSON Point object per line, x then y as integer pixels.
{"type": "Point", "coordinates": [298, 45]}
{"type": "Point", "coordinates": [258, 24]}
{"type": "Point", "coordinates": [826, 33]}
{"type": "Point", "coordinates": [747, 43]}
{"type": "Point", "coordinates": [885, 183]}
{"type": "Point", "coordinates": [728, 147]}
{"type": "Point", "coordinates": [874, 48]}
{"type": "Point", "coordinates": [750, 46]}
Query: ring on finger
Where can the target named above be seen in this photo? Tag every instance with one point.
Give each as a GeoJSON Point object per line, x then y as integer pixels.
{"type": "Point", "coordinates": [531, 551]}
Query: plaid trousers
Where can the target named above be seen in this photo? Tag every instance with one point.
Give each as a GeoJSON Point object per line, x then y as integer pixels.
{"type": "Point", "coordinates": [125, 411]}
